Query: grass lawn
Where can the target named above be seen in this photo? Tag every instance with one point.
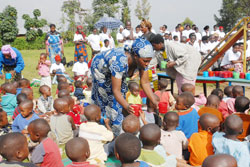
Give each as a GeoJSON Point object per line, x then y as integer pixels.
{"type": "Point", "coordinates": [31, 58]}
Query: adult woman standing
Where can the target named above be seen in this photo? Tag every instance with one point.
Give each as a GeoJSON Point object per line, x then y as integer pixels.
{"type": "Point", "coordinates": [80, 48]}
{"type": "Point", "coordinates": [146, 30]}
{"type": "Point", "coordinates": [53, 43]}
{"type": "Point", "coordinates": [109, 71]}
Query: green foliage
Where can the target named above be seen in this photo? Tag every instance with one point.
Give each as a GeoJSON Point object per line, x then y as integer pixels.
{"type": "Point", "coordinates": [142, 9]}
{"type": "Point", "coordinates": [187, 21]}
{"type": "Point", "coordinates": [8, 25]}
{"type": "Point", "coordinates": [67, 36]}
{"type": "Point", "coordinates": [22, 44]}
{"type": "Point", "coordinates": [33, 25]}
{"type": "Point", "coordinates": [125, 11]}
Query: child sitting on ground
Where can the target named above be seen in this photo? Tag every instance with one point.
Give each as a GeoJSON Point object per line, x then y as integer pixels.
{"type": "Point", "coordinates": [223, 106]}
{"type": "Point", "coordinates": [20, 98]}
{"type": "Point", "coordinates": [5, 127]}
{"type": "Point", "coordinates": [211, 107]}
{"type": "Point", "coordinates": [9, 102]}
{"type": "Point", "coordinates": [79, 90]}
{"type": "Point", "coordinates": [47, 152]}
{"type": "Point", "coordinates": [87, 91]}
{"type": "Point", "coordinates": [200, 144]}
{"type": "Point", "coordinates": [14, 149]}
{"type": "Point", "coordinates": [228, 91]}
{"type": "Point", "coordinates": [62, 124]}
{"type": "Point", "coordinates": [237, 91]}
{"type": "Point", "coordinates": [80, 69]}
{"type": "Point", "coordinates": [134, 97]}
{"type": "Point", "coordinates": [75, 110]}
{"type": "Point", "coordinates": [188, 117]}
{"type": "Point", "coordinates": [43, 67]}
{"type": "Point", "coordinates": [219, 160]}
{"type": "Point", "coordinates": [77, 149]}
{"type": "Point", "coordinates": [63, 93]}
{"type": "Point", "coordinates": [45, 101]}
{"type": "Point", "coordinates": [29, 93]}
{"type": "Point", "coordinates": [228, 143]}
{"type": "Point", "coordinates": [22, 83]}
{"type": "Point", "coordinates": [164, 95]}
{"type": "Point", "coordinates": [26, 115]}
{"type": "Point", "coordinates": [91, 130]}
{"type": "Point", "coordinates": [173, 141]}
{"type": "Point", "coordinates": [199, 99]}
{"type": "Point", "coordinates": [128, 149]}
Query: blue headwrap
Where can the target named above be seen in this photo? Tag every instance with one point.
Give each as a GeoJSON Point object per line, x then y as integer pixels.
{"type": "Point", "coordinates": [143, 48]}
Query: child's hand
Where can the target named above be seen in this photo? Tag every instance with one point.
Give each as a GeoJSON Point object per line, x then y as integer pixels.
{"type": "Point", "coordinates": [142, 114]}
{"type": "Point", "coordinates": [25, 131]}
{"type": "Point", "coordinates": [106, 121]}
{"type": "Point", "coordinates": [130, 109]}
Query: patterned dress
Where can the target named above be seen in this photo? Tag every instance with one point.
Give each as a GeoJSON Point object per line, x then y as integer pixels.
{"type": "Point", "coordinates": [54, 41]}
{"type": "Point", "coordinates": [105, 65]}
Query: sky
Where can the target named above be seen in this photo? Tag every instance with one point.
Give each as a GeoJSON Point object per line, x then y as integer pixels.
{"type": "Point", "coordinates": [169, 12]}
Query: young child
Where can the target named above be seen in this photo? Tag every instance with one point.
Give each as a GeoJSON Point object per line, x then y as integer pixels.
{"type": "Point", "coordinates": [77, 149]}
{"type": "Point", "coordinates": [223, 106]}
{"type": "Point", "coordinates": [188, 117]}
{"type": "Point", "coordinates": [80, 69]}
{"type": "Point", "coordinates": [62, 124]}
{"type": "Point", "coordinates": [228, 91]}
{"type": "Point", "coordinates": [30, 96]}
{"type": "Point", "coordinates": [63, 93]}
{"type": "Point", "coordinates": [9, 102]}
{"type": "Point", "coordinates": [96, 134]}
{"type": "Point", "coordinates": [14, 149]}
{"type": "Point", "coordinates": [5, 127]}
{"type": "Point", "coordinates": [26, 115]}
{"type": "Point", "coordinates": [134, 97]}
{"type": "Point", "coordinates": [43, 67]}
{"type": "Point", "coordinates": [237, 91]}
{"type": "Point", "coordinates": [20, 98]}
{"type": "Point", "coordinates": [228, 143]}
{"type": "Point", "coordinates": [105, 46]}
{"type": "Point", "coordinates": [199, 99]}
{"type": "Point", "coordinates": [219, 160]}
{"type": "Point", "coordinates": [164, 95]}
{"type": "Point", "coordinates": [47, 152]}
{"type": "Point", "coordinates": [79, 90]}
{"type": "Point", "coordinates": [22, 83]}
{"type": "Point", "coordinates": [131, 124]}
{"type": "Point", "coordinates": [87, 91]}
{"type": "Point", "coordinates": [45, 101]}
{"type": "Point", "coordinates": [200, 144]}
{"type": "Point", "coordinates": [75, 110]}
{"type": "Point", "coordinates": [212, 107]}
{"type": "Point", "coordinates": [173, 141]}
{"type": "Point", "coordinates": [128, 149]}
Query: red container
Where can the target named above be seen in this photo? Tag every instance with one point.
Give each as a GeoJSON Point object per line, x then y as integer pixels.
{"type": "Point", "coordinates": [226, 75]}
{"type": "Point", "coordinates": [242, 75]}
{"type": "Point", "coordinates": [210, 73]}
{"type": "Point", "coordinates": [217, 73]}
{"type": "Point", "coordinates": [230, 75]}
{"type": "Point", "coordinates": [221, 74]}
{"type": "Point", "coordinates": [163, 107]}
{"type": "Point", "coordinates": [137, 109]}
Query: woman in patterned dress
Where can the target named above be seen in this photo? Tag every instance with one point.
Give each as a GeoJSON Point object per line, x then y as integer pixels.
{"type": "Point", "coordinates": [109, 71]}
{"type": "Point", "coordinates": [80, 48]}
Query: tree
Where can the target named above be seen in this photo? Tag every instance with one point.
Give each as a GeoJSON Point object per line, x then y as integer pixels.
{"type": "Point", "coordinates": [142, 9]}
{"type": "Point", "coordinates": [244, 7]}
{"type": "Point", "coordinates": [33, 25]}
{"type": "Point", "coordinates": [230, 13]}
{"type": "Point", "coordinates": [187, 21]}
{"type": "Point", "coordinates": [125, 11]}
{"type": "Point", "coordinates": [8, 25]}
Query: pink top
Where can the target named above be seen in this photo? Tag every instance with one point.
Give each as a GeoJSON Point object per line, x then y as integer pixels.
{"type": "Point", "coordinates": [43, 69]}
{"type": "Point", "coordinates": [223, 109]}
{"type": "Point", "coordinates": [230, 105]}
{"type": "Point", "coordinates": [201, 100]}
{"type": "Point", "coordinates": [81, 164]}
{"type": "Point", "coordinates": [164, 97]}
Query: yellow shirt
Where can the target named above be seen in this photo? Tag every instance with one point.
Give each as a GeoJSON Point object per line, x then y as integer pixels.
{"type": "Point", "coordinates": [134, 99]}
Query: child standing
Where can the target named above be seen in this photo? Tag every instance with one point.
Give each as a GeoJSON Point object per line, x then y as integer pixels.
{"type": "Point", "coordinates": [9, 102]}
{"type": "Point", "coordinates": [134, 97]}
{"type": "Point", "coordinates": [47, 152]}
{"type": "Point", "coordinates": [200, 144]}
{"type": "Point", "coordinates": [188, 117]}
{"type": "Point", "coordinates": [14, 148]}
{"type": "Point", "coordinates": [45, 101]}
{"type": "Point", "coordinates": [43, 67]}
{"type": "Point", "coordinates": [173, 141]}
{"type": "Point", "coordinates": [237, 91]}
{"type": "Point", "coordinates": [228, 143]}
{"type": "Point", "coordinates": [87, 91]}
{"type": "Point", "coordinates": [95, 134]}
{"type": "Point", "coordinates": [22, 121]}
{"type": "Point", "coordinates": [77, 149]}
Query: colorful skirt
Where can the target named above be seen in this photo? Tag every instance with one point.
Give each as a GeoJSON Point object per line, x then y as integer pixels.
{"type": "Point", "coordinates": [80, 49]}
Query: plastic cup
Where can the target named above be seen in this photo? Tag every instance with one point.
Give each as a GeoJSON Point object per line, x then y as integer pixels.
{"type": "Point", "coordinates": [210, 73]}
{"type": "Point", "coordinates": [8, 76]}
{"type": "Point", "coordinates": [163, 64]}
{"type": "Point", "coordinates": [230, 74]}
{"type": "Point", "coordinates": [163, 107]}
{"type": "Point", "coordinates": [137, 109]}
{"type": "Point", "coordinates": [217, 73]}
{"type": "Point", "coordinates": [225, 75]}
{"type": "Point", "coordinates": [248, 76]}
{"type": "Point", "coordinates": [144, 100]}
{"type": "Point", "coordinates": [242, 75]}
{"type": "Point", "coordinates": [205, 73]}
{"type": "Point", "coordinates": [236, 75]}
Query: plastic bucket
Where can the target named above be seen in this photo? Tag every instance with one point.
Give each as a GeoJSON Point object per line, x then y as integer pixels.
{"type": "Point", "coordinates": [137, 109]}
{"type": "Point", "coordinates": [163, 107]}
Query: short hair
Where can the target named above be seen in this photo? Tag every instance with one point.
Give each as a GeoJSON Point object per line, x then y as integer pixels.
{"type": "Point", "coordinates": [228, 91]}
{"type": "Point", "coordinates": [236, 44]}
{"type": "Point", "coordinates": [242, 104]}
{"type": "Point", "coordinates": [52, 25]}
{"type": "Point", "coordinates": [40, 126]}
{"type": "Point", "coordinates": [133, 85]}
{"type": "Point", "coordinates": [218, 92]}
{"type": "Point", "coordinates": [196, 28]}
{"type": "Point", "coordinates": [106, 40]}
{"type": "Point", "coordinates": [21, 97]}
{"type": "Point", "coordinates": [131, 124]}
{"type": "Point", "coordinates": [61, 78]}
{"type": "Point", "coordinates": [9, 88]}
{"type": "Point", "coordinates": [26, 103]}
{"type": "Point", "coordinates": [165, 26]}
{"type": "Point", "coordinates": [206, 27]}
{"type": "Point", "coordinates": [233, 124]}
{"type": "Point", "coordinates": [163, 83]}
{"type": "Point", "coordinates": [237, 90]}
{"type": "Point", "coordinates": [78, 84]}
{"type": "Point", "coordinates": [62, 85]}
{"type": "Point", "coordinates": [63, 93]}
{"type": "Point", "coordinates": [157, 39]}
{"type": "Point", "coordinates": [43, 54]}
{"type": "Point", "coordinates": [213, 100]}
{"type": "Point", "coordinates": [192, 34]}
{"type": "Point", "coordinates": [59, 104]}
{"type": "Point", "coordinates": [204, 38]}
{"type": "Point", "coordinates": [175, 37]}
{"type": "Point", "coordinates": [152, 139]}
{"type": "Point", "coordinates": [219, 160]}
{"type": "Point", "coordinates": [23, 82]}
{"type": "Point", "coordinates": [42, 88]}
{"type": "Point", "coordinates": [138, 26]}
{"type": "Point", "coordinates": [128, 147]}
{"type": "Point", "coordinates": [188, 99]}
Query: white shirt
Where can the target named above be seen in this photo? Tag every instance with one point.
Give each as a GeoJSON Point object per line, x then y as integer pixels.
{"type": "Point", "coordinates": [56, 67]}
{"type": "Point", "coordinates": [103, 37]}
{"type": "Point", "coordinates": [125, 34]}
{"type": "Point", "coordinates": [78, 37]}
{"type": "Point", "coordinates": [222, 34]}
{"type": "Point", "coordinates": [230, 56]}
{"type": "Point", "coordinates": [213, 32]}
{"type": "Point", "coordinates": [137, 35]}
{"type": "Point", "coordinates": [198, 36]}
{"type": "Point", "coordinates": [204, 33]}
{"type": "Point", "coordinates": [196, 46]}
{"type": "Point", "coordinates": [186, 33]}
{"type": "Point", "coordinates": [80, 68]}
{"type": "Point", "coordinates": [176, 33]}
{"type": "Point", "coordinates": [94, 41]}
{"type": "Point", "coordinates": [119, 37]}
{"type": "Point", "coordinates": [104, 48]}
{"type": "Point", "coordinates": [204, 48]}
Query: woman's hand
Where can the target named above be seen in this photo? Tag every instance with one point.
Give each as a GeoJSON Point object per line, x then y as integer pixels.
{"type": "Point", "coordinates": [130, 109]}
{"type": "Point", "coordinates": [171, 64]}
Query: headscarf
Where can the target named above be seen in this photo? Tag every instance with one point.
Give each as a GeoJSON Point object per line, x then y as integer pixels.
{"type": "Point", "coordinates": [77, 32]}
{"type": "Point", "coordinates": [57, 58]}
{"type": "Point", "coordinates": [6, 49]}
{"type": "Point", "coordinates": [142, 48]}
